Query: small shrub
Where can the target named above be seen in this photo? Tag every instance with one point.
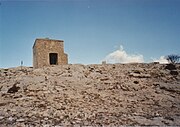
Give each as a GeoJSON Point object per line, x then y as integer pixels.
{"type": "Point", "coordinates": [173, 58]}
{"type": "Point", "coordinates": [170, 67]}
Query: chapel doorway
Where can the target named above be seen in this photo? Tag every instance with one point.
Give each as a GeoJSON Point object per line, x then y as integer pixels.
{"type": "Point", "coordinates": [53, 58]}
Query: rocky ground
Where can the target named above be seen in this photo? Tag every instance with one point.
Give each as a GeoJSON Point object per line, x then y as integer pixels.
{"type": "Point", "coordinates": [82, 95]}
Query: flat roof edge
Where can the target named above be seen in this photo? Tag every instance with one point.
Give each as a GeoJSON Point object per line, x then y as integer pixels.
{"type": "Point", "coordinates": [46, 39]}
{"type": "Point", "coordinates": [49, 39]}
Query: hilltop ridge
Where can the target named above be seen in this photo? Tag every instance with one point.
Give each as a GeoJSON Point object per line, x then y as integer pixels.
{"type": "Point", "coordinates": [104, 94]}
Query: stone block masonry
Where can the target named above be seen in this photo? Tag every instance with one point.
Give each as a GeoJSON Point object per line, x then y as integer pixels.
{"type": "Point", "coordinates": [47, 52]}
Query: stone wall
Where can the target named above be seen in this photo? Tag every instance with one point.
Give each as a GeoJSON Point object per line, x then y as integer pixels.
{"type": "Point", "coordinates": [43, 47]}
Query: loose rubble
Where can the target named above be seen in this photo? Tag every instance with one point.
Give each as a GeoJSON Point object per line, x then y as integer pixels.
{"type": "Point", "coordinates": [90, 95]}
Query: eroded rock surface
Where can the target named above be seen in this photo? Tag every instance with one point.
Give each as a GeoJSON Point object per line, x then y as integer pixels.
{"type": "Point", "coordinates": [108, 94]}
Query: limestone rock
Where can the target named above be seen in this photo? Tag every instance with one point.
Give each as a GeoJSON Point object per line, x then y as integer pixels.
{"type": "Point", "coordinates": [90, 95]}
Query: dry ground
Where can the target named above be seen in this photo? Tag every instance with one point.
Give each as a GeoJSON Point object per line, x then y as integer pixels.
{"type": "Point", "coordinates": [110, 94]}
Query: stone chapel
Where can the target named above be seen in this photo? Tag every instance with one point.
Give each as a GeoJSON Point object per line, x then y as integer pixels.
{"type": "Point", "coordinates": [47, 52]}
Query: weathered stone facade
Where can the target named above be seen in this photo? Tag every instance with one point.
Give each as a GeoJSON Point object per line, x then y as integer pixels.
{"type": "Point", "coordinates": [48, 52]}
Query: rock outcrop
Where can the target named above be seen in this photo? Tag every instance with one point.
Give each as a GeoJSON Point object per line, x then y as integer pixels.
{"type": "Point", "coordinates": [108, 94]}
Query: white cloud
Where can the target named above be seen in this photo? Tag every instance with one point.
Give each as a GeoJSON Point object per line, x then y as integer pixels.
{"type": "Point", "coordinates": [161, 60]}
{"type": "Point", "coordinates": [120, 56]}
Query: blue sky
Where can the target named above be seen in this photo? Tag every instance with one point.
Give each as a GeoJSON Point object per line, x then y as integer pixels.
{"type": "Point", "coordinates": [91, 29]}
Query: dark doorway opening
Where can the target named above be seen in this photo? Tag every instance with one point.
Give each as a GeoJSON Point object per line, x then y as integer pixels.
{"type": "Point", "coordinates": [53, 58]}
